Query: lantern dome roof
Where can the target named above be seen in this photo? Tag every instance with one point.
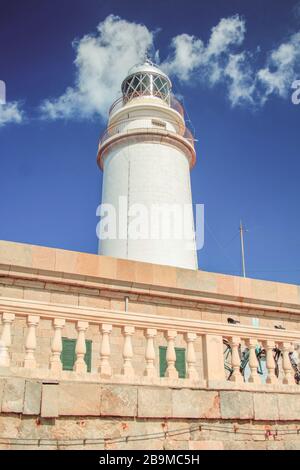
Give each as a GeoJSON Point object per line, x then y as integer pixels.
{"type": "Point", "coordinates": [147, 67]}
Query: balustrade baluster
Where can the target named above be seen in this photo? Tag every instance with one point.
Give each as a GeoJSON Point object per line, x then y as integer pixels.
{"type": "Point", "coordinates": [236, 376]}
{"type": "Point", "coordinates": [253, 364]}
{"type": "Point", "coordinates": [127, 351]}
{"type": "Point", "coordinates": [5, 341]}
{"type": "Point", "coordinates": [191, 358]}
{"type": "Point", "coordinates": [105, 368]}
{"type": "Point", "coordinates": [288, 378]}
{"type": "Point", "coordinates": [30, 345]}
{"type": "Point", "coordinates": [270, 345]}
{"type": "Point", "coordinates": [56, 346]}
{"type": "Point", "coordinates": [171, 371]}
{"type": "Point", "coordinates": [80, 364]}
{"type": "Point", "coordinates": [150, 353]}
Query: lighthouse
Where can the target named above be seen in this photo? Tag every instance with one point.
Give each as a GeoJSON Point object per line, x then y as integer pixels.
{"type": "Point", "coordinates": [146, 154]}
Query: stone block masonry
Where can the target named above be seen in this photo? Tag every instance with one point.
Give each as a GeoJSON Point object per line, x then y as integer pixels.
{"type": "Point", "coordinates": [66, 415]}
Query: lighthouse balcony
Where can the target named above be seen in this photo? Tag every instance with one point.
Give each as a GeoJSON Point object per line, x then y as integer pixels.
{"type": "Point", "coordinates": [138, 97]}
{"type": "Point", "coordinates": [147, 126]}
{"type": "Point", "coordinates": [145, 130]}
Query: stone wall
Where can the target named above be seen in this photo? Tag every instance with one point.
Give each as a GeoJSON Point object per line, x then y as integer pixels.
{"type": "Point", "coordinates": [93, 416]}
{"type": "Point", "coordinates": [165, 303]}
{"type": "Point", "coordinates": [37, 403]}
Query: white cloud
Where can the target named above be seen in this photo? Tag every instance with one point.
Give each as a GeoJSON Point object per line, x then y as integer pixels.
{"type": "Point", "coordinates": [282, 68]}
{"type": "Point", "coordinates": [10, 113]}
{"type": "Point", "coordinates": [215, 62]}
{"type": "Point", "coordinates": [102, 61]}
{"type": "Point", "coordinates": [189, 53]}
{"type": "Point", "coordinates": [219, 62]}
{"type": "Point", "coordinates": [241, 85]}
{"type": "Point", "coordinates": [228, 32]}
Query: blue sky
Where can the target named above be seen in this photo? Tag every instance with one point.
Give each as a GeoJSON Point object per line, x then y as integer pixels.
{"type": "Point", "coordinates": [237, 94]}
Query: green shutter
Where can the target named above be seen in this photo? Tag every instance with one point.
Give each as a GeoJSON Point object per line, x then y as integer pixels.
{"type": "Point", "coordinates": [68, 354]}
{"type": "Point", "coordinates": [162, 360]}
{"type": "Point", "coordinates": [88, 354]}
{"type": "Point", "coordinates": [179, 364]}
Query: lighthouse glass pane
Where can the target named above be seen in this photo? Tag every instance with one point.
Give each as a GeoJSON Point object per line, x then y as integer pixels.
{"type": "Point", "coordinates": [160, 87]}
{"type": "Point", "coordinates": [134, 85]}
{"type": "Point", "coordinates": [145, 84]}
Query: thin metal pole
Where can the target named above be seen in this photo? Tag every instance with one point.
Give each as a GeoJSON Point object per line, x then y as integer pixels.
{"type": "Point", "coordinates": [242, 248]}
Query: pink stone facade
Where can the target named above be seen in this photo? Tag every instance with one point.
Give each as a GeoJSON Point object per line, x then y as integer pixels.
{"type": "Point", "coordinates": [128, 309]}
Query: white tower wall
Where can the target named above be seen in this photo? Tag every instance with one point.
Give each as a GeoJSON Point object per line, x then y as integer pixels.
{"type": "Point", "coordinates": [150, 174]}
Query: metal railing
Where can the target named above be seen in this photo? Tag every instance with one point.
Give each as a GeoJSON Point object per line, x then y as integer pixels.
{"type": "Point", "coordinates": [122, 128]}
{"type": "Point", "coordinates": [121, 102]}
{"type": "Point", "coordinates": [261, 357]}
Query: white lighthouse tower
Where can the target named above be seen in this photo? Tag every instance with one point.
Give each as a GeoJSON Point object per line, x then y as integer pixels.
{"type": "Point", "coordinates": [146, 154]}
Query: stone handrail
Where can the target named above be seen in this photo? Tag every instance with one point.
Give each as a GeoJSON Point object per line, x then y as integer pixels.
{"type": "Point", "coordinates": [211, 334]}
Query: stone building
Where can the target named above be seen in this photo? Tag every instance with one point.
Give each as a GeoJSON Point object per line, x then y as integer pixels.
{"type": "Point", "coordinates": [140, 350]}
{"type": "Point", "coordinates": [128, 310]}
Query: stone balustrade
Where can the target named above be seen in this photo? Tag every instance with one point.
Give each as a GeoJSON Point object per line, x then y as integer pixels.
{"type": "Point", "coordinates": [126, 347]}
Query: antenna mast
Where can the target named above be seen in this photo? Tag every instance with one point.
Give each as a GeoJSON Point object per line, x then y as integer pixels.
{"type": "Point", "coordinates": [242, 248]}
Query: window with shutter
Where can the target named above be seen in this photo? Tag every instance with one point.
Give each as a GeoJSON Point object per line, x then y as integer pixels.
{"type": "Point", "coordinates": [88, 354]}
{"type": "Point", "coordinates": [68, 354]}
{"type": "Point", "coordinates": [162, 361]}
{"type": "Point", "coordinates": [179, 364]}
